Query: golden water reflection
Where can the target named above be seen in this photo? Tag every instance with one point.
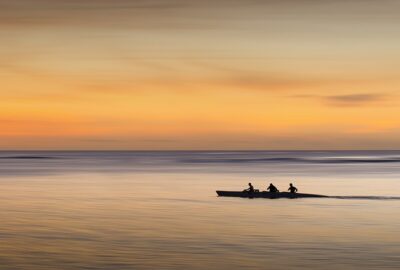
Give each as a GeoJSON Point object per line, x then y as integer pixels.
{"type": "Point", "coordinates": [175, 221]}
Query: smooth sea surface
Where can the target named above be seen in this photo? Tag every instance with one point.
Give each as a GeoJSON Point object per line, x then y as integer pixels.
{"type": "Point", "coordinates": [159, 210]}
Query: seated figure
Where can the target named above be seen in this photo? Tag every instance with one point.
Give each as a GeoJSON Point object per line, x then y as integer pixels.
{"type": "Point", "coordinates": [292, 188]}
{"type": "Point", "coordinates": [250, 189]}
{"type": "Point", "coordinates": [272, 188]}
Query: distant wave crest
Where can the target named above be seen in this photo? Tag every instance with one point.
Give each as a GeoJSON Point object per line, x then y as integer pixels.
{"type": "Point", "coordinates": [27, 157]}
{"type": "Point", "coordinates": [293, 160]}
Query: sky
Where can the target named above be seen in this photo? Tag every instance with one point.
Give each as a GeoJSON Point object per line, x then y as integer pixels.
{"type": "Point", "coordinates": [183, 75]}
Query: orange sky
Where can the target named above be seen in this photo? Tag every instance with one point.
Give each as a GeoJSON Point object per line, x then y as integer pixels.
{"type": "Point", "coordinates": [236, 74]}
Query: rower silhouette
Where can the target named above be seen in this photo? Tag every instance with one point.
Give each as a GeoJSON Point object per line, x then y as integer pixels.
{"type": "Point", "coordinates": [292, 188]}
{"type": "Point", "coordinates": [272, 188]}
{"type": "Point", "coordinates": [250, 189]}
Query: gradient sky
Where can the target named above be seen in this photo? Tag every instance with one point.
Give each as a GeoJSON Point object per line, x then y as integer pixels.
{"type": "Point", "coordinates": [178, 74]}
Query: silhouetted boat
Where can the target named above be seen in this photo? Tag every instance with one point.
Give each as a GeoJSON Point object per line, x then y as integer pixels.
{"type": "Point", "coordinates": [268, 195]}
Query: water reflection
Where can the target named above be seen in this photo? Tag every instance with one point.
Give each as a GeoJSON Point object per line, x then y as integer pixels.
{"type": "Point", "coordinates": [173, 220]}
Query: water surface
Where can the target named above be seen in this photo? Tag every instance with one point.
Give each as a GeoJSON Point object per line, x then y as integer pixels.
{"type": "Point", "coordinates": [159, 210]}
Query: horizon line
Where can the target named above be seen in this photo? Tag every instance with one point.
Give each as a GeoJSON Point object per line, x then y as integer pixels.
{"type": "Point", "coordinates": [194, 150]}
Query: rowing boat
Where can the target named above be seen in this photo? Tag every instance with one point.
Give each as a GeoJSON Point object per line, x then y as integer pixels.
{"type": "Point", "coordinates": [268, 195]}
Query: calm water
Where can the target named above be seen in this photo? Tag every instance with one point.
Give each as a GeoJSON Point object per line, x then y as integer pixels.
{"type": "Point", "coordinates": [159, 210]}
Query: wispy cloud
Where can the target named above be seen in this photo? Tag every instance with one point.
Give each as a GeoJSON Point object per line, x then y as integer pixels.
{"type": "Point", "coordinates": [350, 100]}
{"type": "Point", "coordinates": [150, 14]}
{"type": "Point", "coordinates": [172, 14]}
{"type": "Point", "coordinates": [354, 99]}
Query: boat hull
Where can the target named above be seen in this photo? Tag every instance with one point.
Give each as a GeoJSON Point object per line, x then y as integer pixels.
{"type": "Point", "coordinates": [267, 195]}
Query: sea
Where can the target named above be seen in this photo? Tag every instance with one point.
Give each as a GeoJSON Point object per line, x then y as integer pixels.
{"type": "Point", "coordinates": [159, 210]}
